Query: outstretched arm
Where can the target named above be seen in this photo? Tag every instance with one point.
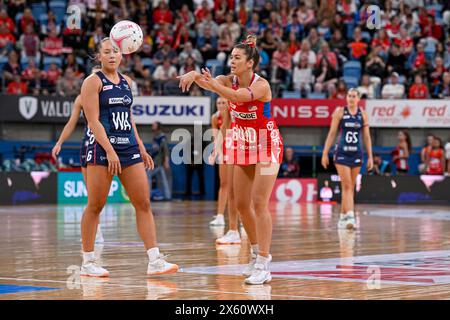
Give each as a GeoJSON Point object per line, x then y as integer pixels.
{"type": "Point", "coordinates": [337, 116]}
{"type": "Point", "coordinates": [69, 127]}
{"type": "Point", "coordinates": [367, 141]}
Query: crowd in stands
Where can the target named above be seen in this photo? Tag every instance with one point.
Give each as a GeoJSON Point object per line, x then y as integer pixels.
{"type": "Point", "coordinates": [309, 48]}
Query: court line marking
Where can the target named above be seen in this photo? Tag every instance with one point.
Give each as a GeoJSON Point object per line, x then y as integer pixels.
{"type": "Point", "coordinates": [181, 289]}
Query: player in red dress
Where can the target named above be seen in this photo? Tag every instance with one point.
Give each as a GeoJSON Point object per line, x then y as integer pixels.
{"type": "Point", "coordinates": [253, 145]}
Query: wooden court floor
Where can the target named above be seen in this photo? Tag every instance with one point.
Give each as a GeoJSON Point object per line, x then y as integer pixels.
{"type": "Point", "coordinates": [397, 252]}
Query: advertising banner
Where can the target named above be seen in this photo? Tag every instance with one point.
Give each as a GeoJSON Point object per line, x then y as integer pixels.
{"type": "Point", "coordinates": [72, 190]}
{"type": "Point", "coordinates": [172, 110]}
{"type": "Point", "coordinates": [36, 109]}
{"type": "Point", "coordinates": [425, 189]}
{"type": "Point", "coordinates": [409, 113]}
{"type": "Point", "coordinates": [36, 187]}
{"type": "Point", "coordinates": [294, 190]}
{"type": "Point", "coordinates": [305, 112]}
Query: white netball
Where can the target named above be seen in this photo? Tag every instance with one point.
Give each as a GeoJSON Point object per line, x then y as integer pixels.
{"type": "Point", "coordinates": [127, 36]}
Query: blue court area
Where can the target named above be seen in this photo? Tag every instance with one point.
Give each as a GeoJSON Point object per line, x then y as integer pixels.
{"type": "Point", "coordinates": [6, 289]}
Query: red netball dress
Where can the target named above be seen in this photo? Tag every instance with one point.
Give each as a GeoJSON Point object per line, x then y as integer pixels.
{"type": "Point", "coordinates": [254, 136]}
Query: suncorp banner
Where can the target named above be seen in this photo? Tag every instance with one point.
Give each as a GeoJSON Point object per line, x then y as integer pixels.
{"type": "Point", "coordinates": [409, 113]}
{"type": "Point", "coordinates": [171, 110]}
{"type": "Point", "coordinates": [72, 190]}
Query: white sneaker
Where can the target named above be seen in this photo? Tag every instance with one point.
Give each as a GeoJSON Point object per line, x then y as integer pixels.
{"type": "Point", "coordinates": [161, 266]}
{"type": "Point", "coordinates": [219, 220]}
{"type": "Point", "coordinates": [92, 269]}
{"type": "Point", "coordinates": [260, 275]}
{"type": "Point", "coordinates": [347, 221]}
{"type": "Point", "coordinates": [231, 237]}
{"type": "Point", "coordinates": [251, 265]}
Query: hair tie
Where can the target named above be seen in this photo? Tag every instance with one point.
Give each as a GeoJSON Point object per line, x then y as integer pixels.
{"type": "Point", "coordinates": [249, 43]}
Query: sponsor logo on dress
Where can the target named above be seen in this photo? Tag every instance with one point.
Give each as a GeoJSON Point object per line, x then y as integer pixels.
{"type": "Point", "coordinates": [108, 87]}
{"type": "Point", "coordinates": [245, 115]}
{"type": "Point", "coordinates": [119, 140]}
{"type": "Point", "coordinates": [135, 156]}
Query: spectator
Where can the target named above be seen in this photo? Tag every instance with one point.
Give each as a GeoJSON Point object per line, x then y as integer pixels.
{"type": "Point", "coordinates": [324, 30]}
{"type": "Point", "coordinates": [326, 76]}
{"type": "Point", "coordinates": [315, 40]}
{"type": "Point", "coordinates": [393, 90]}
{"type": "Point", "coordinates": [447, 156]}
{"type": "Point", "coordinates": [50, 78]}
{"type": "Point", "coordinates": [27, 19]}
{"type": "Point", "coordinates": [442, 91]}
{"type": "Point", "coordinates": [165, 75]}
{"type": "Point", "coordinates": [366, 89]}
{"type": "Point", "coordinates": [290, 167]}
{"type": "Point", "coordinates": [225, 43]}
{"type": "Point", "coordinates": [380, 167]}
{"type": "Point", "coordinates": [307, 52]}
{"type": "Point", "coordinates": [202, 11]}
{"type": "Point", "coordinates": [418, 90]}
{"type": "Point", "coordinates": [189, 51]}
{"type": "Point", "coordinates": [51, 24]}
{"type": "Point", "coordinates": [295, 27]}
{"type": "Point", "coordinates": [29, 44]}
{"type": "Point", "coordinates": [358, 48]}
{"type": "Point", "coordinates": [143, 16]}
{"type": "Point", "coordinates": [339, 45]}
{"type": "Point", "coordinates": [306, 16]}
{"type": "Point", "coordinates": [147, 89]}
{"type": "Point", "coordinates": [242, 13]}
{"type": "Point", "coordinates": [162, 15]}
{"type": "Point", "coordinates": [330, 55]}
{"type": "Point", "coordinates": [207, 44]}
{"type": "Point", "coordinates": [437, 72]}
{"type": "Point", "coordinates": [164, 35]}
{"type": "Point", "coordinates": [268, 43]}
{"type": "Point", "coordinates": [160, 154]}
{"type": "Point", "coordinates": [396, 61]}
{"type": "Point", "coordinates": [182, 37]}
{"type": "Point", "coordinates": [264, 14]}
{"type": "Point", "coordinates": [432, 29]}
{"type": "Point", "coordinates": [303, 77]}
{"type": "Point", "coordinates": [195, 165]}
{"type": "Point", "coordinates": [284, 12]}
{"type": "Point", "coordinates": [293, 43]}
{"type": "Point", "coordinates": [68, 85]}
{"type": "Point", "coordinates": [7, 40]}
{"type": "Point", "coordinates": [347, 8]}
{"type": "Point", "coordinates": [140, 71]}
{"type": "Point", "coordinates": [94, 39]}
{"type": "Point", "coordinates": [52, 45]}
{"type": "Point", "coordinates": [338, 25]}
{"type": "Point", "coordinates": [382, 40]}
{"type": "Point", "coordinates": [187, 17]}
{"type": "Point", "coordinates": [281, 65]}
{"type": "Point", "coordinates": [7, 21]}
{"type": "Point", "coordinates": [436, 158]}
{"type": "Point", "coordinates": [254, 26]}
{"type": "Point", "coordinates": [341, 91]}
{"type": "Point", "coordinates": [425, 153]}
{"type": "Point", "coordinates": [393, 28]}
{"type": "Point", "coordinates": [401, 153]}
{"type": "Point", "coordinates": [147, 46]}
{"type": "Point", "coordinates": [166, 52]}
{"type": "Point", "coordinates": [419, 60]}
{"type": "Point", "coordinates": [275, 26]}
{"type": "Point", "coordinates": [188, 66]}
{"type": "Point", "coordinates": [32, 75]}
{"type": "Point", "coordinates": [412, 27]}
{"type": "Point", "coordinates": [233, 27]}
{"type": "Point", "coordinates": [71, 62]}
{"type": "Point", "coordinates": [11, 68]}
{"type": "Point", "coordinates": [220, 10]}
{"type": "Point", "coordinates": [209, 23]}
{"type": "Point", "coordinates": [375, 65]}
{"type": "Point", "coordinates": [405, 43]}
{"type": "Point", "coordinates": [17, 86]}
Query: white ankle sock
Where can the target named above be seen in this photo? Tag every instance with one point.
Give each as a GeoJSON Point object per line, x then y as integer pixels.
{"type": "Point", "coordinates": [350, 213]}
{"type": "Point", "coordinates": [255, 249]}
{"type": "Point", "coordinates": [88, 256]}
{"type": "Point", "coordinates": [263, 260]}
{"type": "Point", "coordinates": [153, 253]}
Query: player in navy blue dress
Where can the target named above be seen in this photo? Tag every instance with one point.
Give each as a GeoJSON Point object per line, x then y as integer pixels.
{"type": "Point", "coordinates": [353, 126]}
{"type": "Point", "coordinates": [115, 149]}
